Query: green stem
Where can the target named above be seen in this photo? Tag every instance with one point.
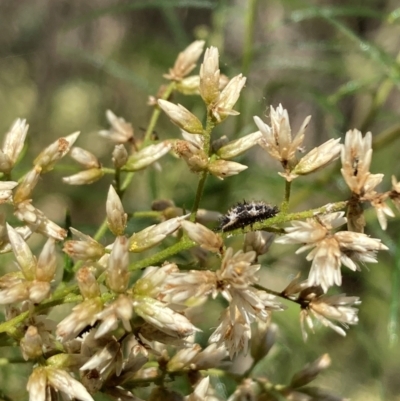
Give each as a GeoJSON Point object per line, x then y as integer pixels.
{"type": "Point", "coordinates": [285, 203]}
{"type": "Point", "coordinates": [156, 113]}
{"type": "Point", "coordinates": [207, 150]}
{"type": "Point", "coordinates": [184, 244]}
{"type": "Point", "coordinates": [101, 230]}
{"type": "Point", "coordinates": [199, 193]}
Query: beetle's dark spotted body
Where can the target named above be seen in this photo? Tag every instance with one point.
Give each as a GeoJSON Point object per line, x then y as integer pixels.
{"type": "Point", "coordinates": [246, 213]}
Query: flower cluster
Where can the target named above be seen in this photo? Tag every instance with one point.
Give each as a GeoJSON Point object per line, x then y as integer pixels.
{"type": "Point", "coordinates": [126, 329]}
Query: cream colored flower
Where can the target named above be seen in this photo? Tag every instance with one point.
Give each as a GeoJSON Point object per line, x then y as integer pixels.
{"type": "Point", "coordinates": [330, 250]}
{"type": "Point", "coordinates": [327, 309]}
{"type": "Point", "coordinates": [44, 377]}
{"type": "Point", "coordinates": [82, 315]}
{"type": "Point", "coordinates": [84, 177]}
{"type": "Point", "coordinates": [356, 160]}
{"type": "Point", "coordinates": [119, 310]}
{"type": "Point", "coordinates": [239, 146]}
{"type": "Point", "coordinates": [162, 317]}
{"type": "Point", "coordinates": [6, 188]}
{"type": "Point", "coordinates": [85, 248]}
{"type": "Point", "coordinates": [277, 139]}
{"type": "Point", "coordinates": [147, 156]}
{"type": "Point", "coordinates": [13, 144]}
{"type": "Point", "coordinates": [116, 216]}
{"type": "Point", "coordinates": [235, 278]}
{"type": "Point", "coordinates": [182, 117]}
{"type": "Point", "coordinates": [209, 76]}
{"type": "Point", "coordinates": [186, 61]}
{"type": "Point", "coordinates": [206, 238]}
{"type": "Point", "coordinates": [223, 107]}
{"type": "Point", "coordinates": [54, 152]}
{"type": "Point", "coordinates": [233, 332]}
{"type": "Point", "coordinates": [315, 159]}
{"type": "Point", "coordinates": [120, 132]}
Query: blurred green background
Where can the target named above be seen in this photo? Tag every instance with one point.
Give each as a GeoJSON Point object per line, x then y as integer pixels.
{"type": "Point", "coordinates": [64, 63]}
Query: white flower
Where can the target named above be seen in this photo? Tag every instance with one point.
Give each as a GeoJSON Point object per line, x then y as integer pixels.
{"type": "Point", "coordinates": [233, 332]}
{"type": "Point", "coordinates": [277, 139]}
{"type": "Point", "coordinates": [327, 308]}
{"type": "Point", "coordinates": [120, 131]}
{"type": "Point", "coordinates": [330, 249]}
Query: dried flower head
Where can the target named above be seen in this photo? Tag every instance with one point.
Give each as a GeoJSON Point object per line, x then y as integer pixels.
{"type": "Point", "coordinates": [331, 249]}
{"type": "Point", "coordinates": [327, 309]}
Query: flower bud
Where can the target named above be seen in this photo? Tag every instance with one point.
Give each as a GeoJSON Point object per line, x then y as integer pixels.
{"type": "Point", "coordinates": [186, 61]}
{"type": "Point", "coordinates": [84, 177]}
{"type": "Point", "coordinates": [82, 315]}
{"type": "Point", "coordinates": [6, 188]}
{"type": "Point", "coordinates": [209, 358]}
{"type": "Point", "coordinates": [258, 241]}
{"type": "Point", "coordinates": [200, 392]}
{"type": "Point", "coordinates": [119, 156]}
{"type": "Point", "coordinates": [26, 186]}
{"type": "Point", "coordinates": [318, 157]}
{"type": "Point", "coordinates": [153, 235]}
{"type": "Point", "coordinates": [47, 262]}
{"type": "Point", "coordinates": [310, 371]}
{"type": "Point", "coordinates": [227, 99]}
{"type": "Point", "coordinates": [25, 259]}
{"type": "Point", "coordinates": [31, 344]}
{"type": "Point", "coordinates": [206, 238]}
{"type": "Point", "coordinates": [38, 222]}
{"type": "Point", "coordinates": [239, 146]}
{"type": "Point", "coordinates": [165, 319]}
{"type": "Point", "coordinates": [147, 156]}
{"type": "Point", "coordinates": [153, 278]}
{"type": "Point", "coordinates": [87, 283]}
{"type": "Point", "coordinates": [85, 249]}
{"type": "Point", "coordinates": [263, 340]}
{"type": "Point", "coordinates": [13, 145]}
{"type": "Point", "coordinates": [13, 289]}
{"type": "Point", "coordinates": [54, 152]}
{"type": "Point", "coordinates": [84, 157]}
{"type": "Point", "coordinates": [62, 381]}
{"type": "Point", "coordinates": [189, 86]}
{"type": "Point", "coordinates": [209, 76]}
{"type": "Point", "coordinates": [38, 291]}
{"type": "Point", "coordinates": [223, 168]}
{"type": "Point", "coordinates": [120, 132]}
{"type": "Point", "coordinates": [117, 272]}
{"type": "Point", "coordinates": [182, 117]}
{"type": "Point", "coordinates": [195, 157]}
{"type": "Point", "coordinates": [183, 358]}
{"type": "Point", "coordinates": [116, 217]}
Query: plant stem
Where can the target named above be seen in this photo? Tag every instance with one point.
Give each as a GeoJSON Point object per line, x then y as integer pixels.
{"type": "Point", "coordinates": [285, 203]}
{"type": "Point", "coordinates": [183, 244]}
{"type": "Point", "coordinates": [207, 150]}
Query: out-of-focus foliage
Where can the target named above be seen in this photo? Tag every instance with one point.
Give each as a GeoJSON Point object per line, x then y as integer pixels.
{"type": "Point", "coordinates": [63, 63]}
